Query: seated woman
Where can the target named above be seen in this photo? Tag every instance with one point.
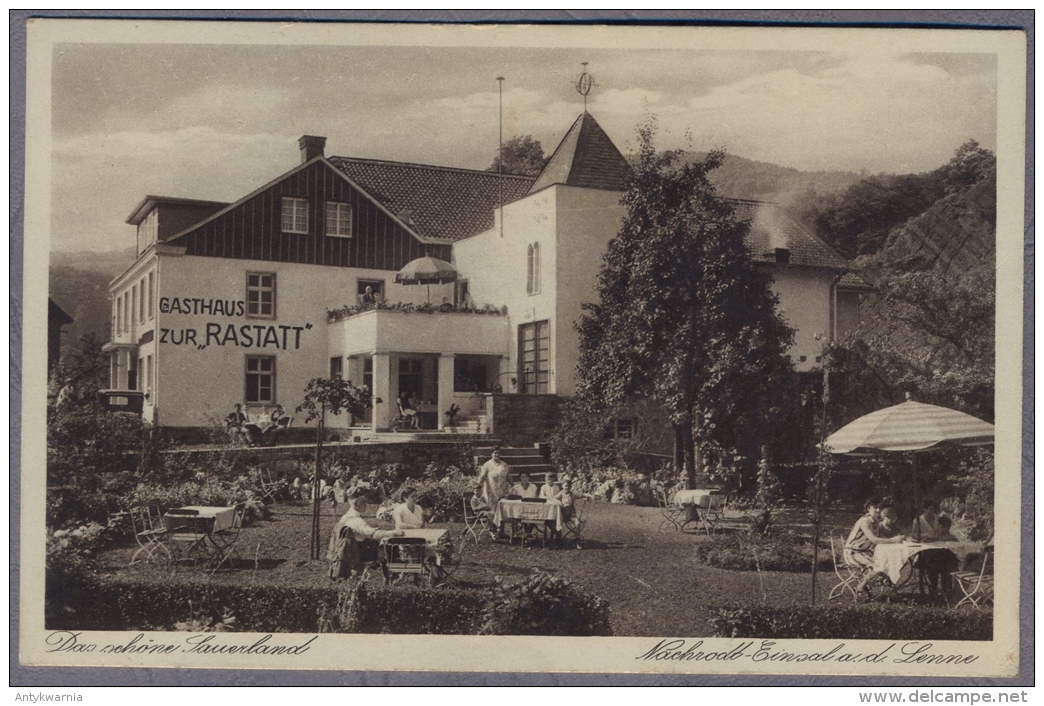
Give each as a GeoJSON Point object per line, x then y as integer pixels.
{"type": "Point", "coordinates": [926, 526]}
{"type": "Point", "coordinates": [524, 488]}
{"type": "Point", "coordinates": [408, 514]}
{"type": "Point", "coordinates": [866, 534]}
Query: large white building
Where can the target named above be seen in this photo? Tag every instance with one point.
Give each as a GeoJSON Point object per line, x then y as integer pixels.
{"type": "Point", "coordinates": [245, 302]}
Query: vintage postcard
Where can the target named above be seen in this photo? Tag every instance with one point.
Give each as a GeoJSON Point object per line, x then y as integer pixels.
{"type": "Point", "coordinates": [623, 349]}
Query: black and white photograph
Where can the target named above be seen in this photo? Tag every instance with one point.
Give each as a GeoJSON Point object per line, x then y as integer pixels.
{"type": "Point", "coordinates": [522, 348]}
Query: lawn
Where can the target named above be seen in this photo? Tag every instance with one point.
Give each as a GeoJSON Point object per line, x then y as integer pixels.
{"type": "Point", "coordinates": [652, 580]}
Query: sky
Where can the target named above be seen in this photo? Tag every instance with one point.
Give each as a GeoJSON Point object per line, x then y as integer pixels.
{"type": "Point", "coordinates": [216, 121]}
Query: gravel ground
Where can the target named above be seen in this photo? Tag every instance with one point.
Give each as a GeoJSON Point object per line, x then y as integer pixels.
{"type": "Point", "coordinates": [652, 580]}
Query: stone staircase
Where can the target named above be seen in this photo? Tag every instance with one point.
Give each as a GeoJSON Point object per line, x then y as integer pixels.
{"type": "Point", "coordinates": [520, 458]}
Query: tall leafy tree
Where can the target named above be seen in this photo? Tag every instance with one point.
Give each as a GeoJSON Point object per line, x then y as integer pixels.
{"type": "Point", "coordinates": [683, 316]}
{"type": "Point", "coordinates": [523, 156]}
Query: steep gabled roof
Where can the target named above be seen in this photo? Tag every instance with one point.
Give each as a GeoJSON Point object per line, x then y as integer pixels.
{"type": "Point", "coordinates": [771, 228]}
{"type": "Point", "coordinates": [585, 157]}
{"type": "Point", "coordinates": [440, 203]}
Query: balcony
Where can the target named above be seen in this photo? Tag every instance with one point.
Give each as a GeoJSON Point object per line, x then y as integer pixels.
{"type": "Point", "coordinates": [419, 330]}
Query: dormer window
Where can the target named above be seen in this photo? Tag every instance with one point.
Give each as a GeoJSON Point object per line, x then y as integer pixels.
{"type": "Point", "coordinates": [295, 215]}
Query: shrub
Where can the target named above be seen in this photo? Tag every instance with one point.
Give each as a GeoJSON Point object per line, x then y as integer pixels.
{"type": "Point", "coordinates": [852, 622]}
{"type": "Point", "coordinates": [402, 610]}
{"type": "Point", "coordinates": [545, 605]}
{"type": "Point", "coordinates": [750, 551]}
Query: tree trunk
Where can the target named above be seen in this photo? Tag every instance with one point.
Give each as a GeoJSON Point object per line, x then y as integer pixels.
{"type": "Point", "coordinates": [688, 452]}
{"type": "Point", "coordinates": [316, 499]}
{"type": "Point", "coordinates": [679, 452]}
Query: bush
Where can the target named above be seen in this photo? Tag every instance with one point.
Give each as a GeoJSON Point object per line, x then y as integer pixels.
{"type": "Point", "coordinates": [403, 610]}
{"type": "Point", "coordinates": [106, 604]}
{"type": "Point", "coordinates": [852, 622]}
{"type": "Point", "coordinates": [545, 605]}
{"type": "Point", "coordinates": [750, 551]}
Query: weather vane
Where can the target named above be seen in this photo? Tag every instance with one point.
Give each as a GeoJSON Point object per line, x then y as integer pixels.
{"type": "Point", "coordinates": [584, 84]}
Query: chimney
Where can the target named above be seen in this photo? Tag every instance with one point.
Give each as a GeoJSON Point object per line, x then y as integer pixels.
{"type": "Point", "coordinates": [311, 147]}
{"type": "Point", "coordinates": [782, 256]}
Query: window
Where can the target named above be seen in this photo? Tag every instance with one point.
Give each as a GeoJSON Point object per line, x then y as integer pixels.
{"type": "Point", "coordinates": [621, 429]}
{"type": "Point", "coordinates": [533, 269]}
{"type": "Point", "coordinates": [134, 304]}
{"type": "Point", "coordinates": [410, 376]}
{"type": "Point", "coordinates": [336, 368]}
{"type": "Point", "coordinates": [152, 300]}
{"type": "Point", "coordinates": [148, 375]}
{"type": "Point", "coordinates": [119, 315]}
{"type": "Point", "coordinates": [338, 219]}
{"type": "Point", "coordinates": [261, 292]}
{"type": "Point", "coordinates": [126, 311]}
{"type": "Point", "coordinates": [141, 301]}
{"type": "Point", "coordinates": [376, 288]}
{"type": "Point", "coordinates": [260, 379]}
{"type": "Point", "coordinates": [295, 215]}
{"type": "Point", "coordinates": [468, 375]}
{"type": "Point", "coordinates": [368, 373]}
{"type": "Point", "coordinates": [534, 357]}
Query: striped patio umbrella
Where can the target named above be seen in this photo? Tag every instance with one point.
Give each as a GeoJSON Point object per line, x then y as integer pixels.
{"type": "Point", "coordinates": [426, 270]}
{"type": "Point", "coordinates": [909, 427]}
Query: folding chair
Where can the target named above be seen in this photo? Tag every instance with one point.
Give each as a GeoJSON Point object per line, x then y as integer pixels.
{"type": "Point", "coordinates": [710, 516]}
{"type": "Point", "coordinates": [673, 515]}
{"type": "Point", "coordinates": [271, 489]}
{"type": "Point", "coordinates": [573, 527]}
{"type": "Point", "coordinates": [405, 556]}
{"type": "Point", "coordinates": [977, 586]}
{"type": "Point", "coordinates": [848, 575]}
{"type": "Point", "coordinates": [149, 532]}
{"type": "Point", "coordinates": [476, 522]}
{"type": "Point", "coordinates": [225, 539]}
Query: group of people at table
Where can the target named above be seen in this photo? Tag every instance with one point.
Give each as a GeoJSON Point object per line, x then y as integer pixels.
{"type": "Point", "coordinates": [492, 486]}
{"type": "Point", "coordinates": [263, 427]}
{"type": "Point", "coordinates": [880, 526]}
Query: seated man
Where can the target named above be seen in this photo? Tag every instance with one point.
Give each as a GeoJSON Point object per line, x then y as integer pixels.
{"type": "Point", "coordinates": [365, 536]}
{"type": "Point", "coordinates": [524, 488]}
{"type": "Point", "coordinates": [409, 515]}
{"type": "Point", "coordinates": [235, 424]}
{"type": "Point", "coordinates": [926, 526]}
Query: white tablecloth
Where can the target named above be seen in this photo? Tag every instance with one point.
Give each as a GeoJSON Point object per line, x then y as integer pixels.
{"type": "Point", "coordinates": [529, 512]}
{"type": "Point", "coordinates": [890, 559]}
{"type": "Point", "coordinates": [700, 497]}
{"type": "Point", "coordinates": [222, 516]}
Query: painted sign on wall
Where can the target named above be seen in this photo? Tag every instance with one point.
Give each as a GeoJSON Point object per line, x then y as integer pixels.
{"type": "Point", "coordinates": [214, 333]}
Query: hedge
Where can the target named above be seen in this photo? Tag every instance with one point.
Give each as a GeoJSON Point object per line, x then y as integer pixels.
{"type": "Point", "coordinates": [853, 622]}
{"type": "Point", "coordinates": [538, 605]}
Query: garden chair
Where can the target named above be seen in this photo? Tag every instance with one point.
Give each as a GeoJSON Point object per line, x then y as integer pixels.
{"type": "Point", "coordinates": [225, 540]}
{"type": "Point", "coordinates": [673, 516]}
{"type": "Point", "coordinates": [711, 516]}
{"type": "Point", "coordinates": [848, 575]}
{"type": "Point", "coordinates": [476, 522]}
{"type": "Point", "coordinates": [573, 529]}
{"type": "Point", "coordinates": [405, 556]}
{"type": "Point", "coordinates": [977, 586]}
{"type": "Point", "coordinates": [149, 532]}
{"type": "Point", "coordinates": [271, 489]}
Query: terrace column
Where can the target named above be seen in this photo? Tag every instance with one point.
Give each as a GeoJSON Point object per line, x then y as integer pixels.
{"type": "Point", "coordinates": [445, 387]}
{"type": "Point", "coordinates": [385, 411]}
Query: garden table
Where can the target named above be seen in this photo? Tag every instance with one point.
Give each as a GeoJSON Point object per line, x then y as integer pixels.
{"type": "Point", "coordinates": [191, 530]}
{"type": "Point", "coordinates": [692, 501]}
{"type": "Point", "coordinates": [891, 559]}
{"type": "Point", "coordinates": [534, 514]}
{"type": "Point", "coordinates": [401, 556]}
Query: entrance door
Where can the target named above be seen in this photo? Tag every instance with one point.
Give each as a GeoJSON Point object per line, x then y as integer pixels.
{"type": "Point", "coordinates": [534, 357]}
